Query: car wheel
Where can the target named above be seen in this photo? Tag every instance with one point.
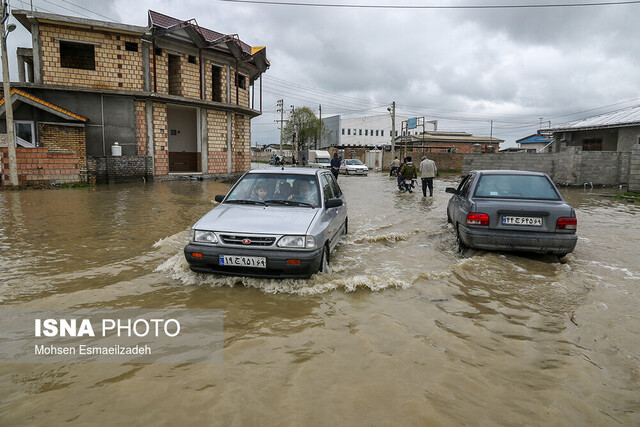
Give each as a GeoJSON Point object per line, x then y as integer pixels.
{"type": "Point", "coordinates": [347, 171]}
{"type": "Point", "coordinates": [449, 218]}
{"type": "Point", "coordinates": [460, 246]}
{"type": "Point", "coordinates": [324, 263]}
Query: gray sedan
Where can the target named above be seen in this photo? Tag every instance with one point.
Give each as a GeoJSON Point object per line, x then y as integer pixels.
{"type": "Point", "coordinates": [511, 211]}
{"type": "Point", "coordinates": [273, 223]}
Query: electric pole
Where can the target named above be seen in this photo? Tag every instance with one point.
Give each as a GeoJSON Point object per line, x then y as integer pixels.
{"type": "Point", "coordinates": [319, 129]}
{"type": "Point", "coordinates": [281, 111]}
{"type": "Point", "coordinates": [11, 138]}
{"type": "Point", "coordinates": [393, 128]}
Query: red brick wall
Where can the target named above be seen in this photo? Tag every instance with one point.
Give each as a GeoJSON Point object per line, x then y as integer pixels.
{"type": "Point", "coordinates": [39, 166]}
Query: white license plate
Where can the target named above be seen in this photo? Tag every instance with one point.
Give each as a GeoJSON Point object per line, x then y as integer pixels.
{"type": "Point", "coordinates": [243, 261]}
{"type": "Point", "coordinates": [522, 220]}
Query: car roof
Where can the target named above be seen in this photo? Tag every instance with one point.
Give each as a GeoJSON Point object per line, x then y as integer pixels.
{"type": "Point", "coordinates": [291, 171]}
{"type": "Point", "coordinates": [507, 172]}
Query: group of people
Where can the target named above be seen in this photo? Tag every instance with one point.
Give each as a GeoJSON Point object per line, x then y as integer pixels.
{"type": "Point", "coordinates": [426, 171]}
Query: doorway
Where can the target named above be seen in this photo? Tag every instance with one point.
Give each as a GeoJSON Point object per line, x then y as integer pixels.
{"type": "Point", "coordinates": [184, 149]}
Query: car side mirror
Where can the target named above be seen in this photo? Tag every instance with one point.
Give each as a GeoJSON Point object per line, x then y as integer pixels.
{"type": "Point", "coordinates": [451, 190]}
{"type": "Point", "coordinates": [219, 198]}
{"type": "Point", "coordinates": [333, 203]}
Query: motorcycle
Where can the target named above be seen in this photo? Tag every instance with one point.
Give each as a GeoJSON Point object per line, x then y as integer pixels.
{"type": "Point", "coordinates": [407, 185]}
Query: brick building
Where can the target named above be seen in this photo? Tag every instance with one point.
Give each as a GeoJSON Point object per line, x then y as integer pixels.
{"type": "Point", "coordinates": [176, 97]}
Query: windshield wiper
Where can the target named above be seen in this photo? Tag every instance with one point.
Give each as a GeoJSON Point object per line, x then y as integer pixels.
{"type": "Point", "coordinates": [289, 203]}
{"type": "Point", "coordinates": [245, 202]}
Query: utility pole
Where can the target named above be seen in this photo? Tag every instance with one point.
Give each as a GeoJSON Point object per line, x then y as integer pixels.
{"type": "Point", "coordinates": [11, 138]}
{"type": "Point", "coordinates": [281, 110]}
{"type": "Point", "coordinates": [319, 129]}
{"type": "Point", "coordinates": [393, 128]}
{"type": "Point", "coordinates": [491, 134]}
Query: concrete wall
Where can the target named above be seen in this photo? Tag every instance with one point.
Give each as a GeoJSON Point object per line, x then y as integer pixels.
{"type": "Point", "coordinates": [103, 170]}
{"type": "Point", "coordinates": [572, 166]}
{"type": "Point", "coordinates": [634, 170]}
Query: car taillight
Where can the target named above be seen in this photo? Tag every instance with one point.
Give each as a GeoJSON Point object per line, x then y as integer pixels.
{"type": "Point", "coordinates": [566, 223]}
{"type": "Point", "coordinates": [474, 218]}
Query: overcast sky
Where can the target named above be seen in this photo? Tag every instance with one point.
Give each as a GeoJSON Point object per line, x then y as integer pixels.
{"type": "Point", "coordinates": [461, 66]}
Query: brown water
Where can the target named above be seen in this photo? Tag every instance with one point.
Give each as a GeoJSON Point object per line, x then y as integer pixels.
{"type": "Point", "coordinates": [403, 331]}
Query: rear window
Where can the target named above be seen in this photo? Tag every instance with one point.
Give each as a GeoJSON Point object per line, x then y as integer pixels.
{"type": "Point", "coordinates": [516, 187]}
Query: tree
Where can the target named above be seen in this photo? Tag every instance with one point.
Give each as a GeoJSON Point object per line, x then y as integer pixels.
{"type": "Point", "coordinates": [304, 123]}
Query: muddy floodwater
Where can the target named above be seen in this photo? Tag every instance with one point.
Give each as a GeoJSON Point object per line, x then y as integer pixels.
{"type": "Point", "coordinates": [403, 331]}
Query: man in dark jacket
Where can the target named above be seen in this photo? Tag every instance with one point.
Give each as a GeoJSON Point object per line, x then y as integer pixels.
{"type": "Point", "coordinates": [335, 165]}
{"type": "Point", "coordinates": [408, 170]}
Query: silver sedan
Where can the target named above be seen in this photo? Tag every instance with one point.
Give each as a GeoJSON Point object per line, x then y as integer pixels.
{"type": "Point", "coordinates": [512, 211]}
{"type": "Point", "coordinates": [273, 223]}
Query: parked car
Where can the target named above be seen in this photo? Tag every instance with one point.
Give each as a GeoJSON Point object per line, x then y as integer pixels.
{"type": "Point", "coordinates": [281, 223]}
{"type": "Point", "coordinates": [353, 166]}
{"type": "Point", "coordinates": [511, 211]}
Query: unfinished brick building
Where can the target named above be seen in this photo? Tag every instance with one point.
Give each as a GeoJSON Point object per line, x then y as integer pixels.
{"type": "Point", "coordinates": [176, 97]}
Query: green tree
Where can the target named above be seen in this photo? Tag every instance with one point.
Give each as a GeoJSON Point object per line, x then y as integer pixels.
{"type": "Point", "coordinates": [304, 123]}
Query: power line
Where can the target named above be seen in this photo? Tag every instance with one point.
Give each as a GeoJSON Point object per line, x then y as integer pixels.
{"type": "Point", "coordinates": [388, 6]}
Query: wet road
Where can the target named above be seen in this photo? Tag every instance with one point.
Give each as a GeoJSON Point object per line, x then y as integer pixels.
{"type": "Point", "coordinates": [403, 331]}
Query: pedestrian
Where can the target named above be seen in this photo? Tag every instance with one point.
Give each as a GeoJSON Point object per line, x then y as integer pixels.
{"type": "Point", "coordinates": [335, 165]}
{"type": "Point", "coordinates": [409, 170]}
{"type": "Point", "coordinates": [427, 172]}
{"type": "Point", "coordinates": [399, 177]}
{"type": "Point", "coordinates": [293, 159]}
{"type": "Point", "coordinates": [304, 160]}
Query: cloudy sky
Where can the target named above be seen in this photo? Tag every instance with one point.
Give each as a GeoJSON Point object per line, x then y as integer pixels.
{"type": "Point", "coordinates": [456, 61]}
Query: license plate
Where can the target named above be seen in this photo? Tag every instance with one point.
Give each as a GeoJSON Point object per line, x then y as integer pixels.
{"type": "Point", "coordinates": [522, 220]}
{"type": "Point", "coordinates": [243, 261]}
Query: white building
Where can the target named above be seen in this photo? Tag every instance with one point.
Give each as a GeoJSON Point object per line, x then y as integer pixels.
{"type": "Point", "coordinates": [372, 131]}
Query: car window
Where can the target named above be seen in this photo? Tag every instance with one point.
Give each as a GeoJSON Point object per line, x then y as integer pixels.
{"type": "Point", "coordinates": [276, 187]}
{"type": "Point", "coordinates": [463, 189]}
{"type": "Point", "coordinates": [516, 187]}
{"type": "Point", "coordinates": [326, 186]}
{"type": "Point", "coordinates": [337, 192]}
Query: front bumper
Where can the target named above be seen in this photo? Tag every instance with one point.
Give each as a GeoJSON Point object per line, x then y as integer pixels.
{"type": "Point", "coordinates": [504, 240]}
{"type": "Point", "coordinates": [277, 266]}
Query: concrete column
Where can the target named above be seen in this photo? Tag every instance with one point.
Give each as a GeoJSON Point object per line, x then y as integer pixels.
{"type": "Point", "coordinates": [204, 141]}
{"type": "Point", "coordinates": [151, 152]}
{"type": "Point", "coordinates": [146, 68]}
{"type": "Point", "coordinates": [37, 53]}
{"type": "Point", "coordinates": [634, 171]}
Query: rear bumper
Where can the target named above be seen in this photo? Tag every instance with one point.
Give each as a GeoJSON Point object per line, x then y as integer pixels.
{"type": "Point", "coordinates": [277, 266]}
{"type": "Point", "coordinates": [501, 240]}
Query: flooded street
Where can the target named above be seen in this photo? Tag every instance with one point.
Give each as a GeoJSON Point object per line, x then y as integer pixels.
{"type": "Point", "coordinates": [403, 331]}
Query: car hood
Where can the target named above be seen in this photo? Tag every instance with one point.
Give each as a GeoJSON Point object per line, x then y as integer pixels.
{"type": "Point", "coordinates": [257, 219]}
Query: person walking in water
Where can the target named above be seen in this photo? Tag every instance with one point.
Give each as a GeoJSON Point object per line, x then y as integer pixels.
{"type": "Point", "coordinates": [427, 171]}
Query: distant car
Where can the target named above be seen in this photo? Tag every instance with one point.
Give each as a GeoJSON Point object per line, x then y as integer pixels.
{"type": "Point", "coordinates": [353, 166]}
{"type": "Point", "coordinates": [280, 223]}
{"type": "Point", "coordinates": [512, 211]}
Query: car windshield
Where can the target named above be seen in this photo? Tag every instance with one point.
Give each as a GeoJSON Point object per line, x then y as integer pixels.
{"type": "Point", "coordinates": [354, 162]}
{"type": "Point", "coordinates": [276, 190]}
{"type": "Point", "coordinates": [323, 161]}
{"type": "Point", "coordinates": [516, 187]}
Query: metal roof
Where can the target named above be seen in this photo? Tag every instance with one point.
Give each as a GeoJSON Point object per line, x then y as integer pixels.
{"type": "Point", "coordinates": [621, 118]}
{"type": "Point", "coordinates": [536, 138]}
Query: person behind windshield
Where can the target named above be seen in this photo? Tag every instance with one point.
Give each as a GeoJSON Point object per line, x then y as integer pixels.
{"type": "Point", "coordinates": [335, 165]}
{"type": "Point", "coordinates": [303, 192]}
{"type": "Point", "coordinates": [260, 193]}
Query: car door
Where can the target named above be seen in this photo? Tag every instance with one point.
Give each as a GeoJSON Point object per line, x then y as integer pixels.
{"type": "Point", "coordinates": [332, 216]}
{"type": "Point", "coordinates": [460, 203]}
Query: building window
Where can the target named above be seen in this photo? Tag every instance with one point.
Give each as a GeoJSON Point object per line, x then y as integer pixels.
{"type": "Point", "coordinates": [158, 51]}
{"type": "Point", "coordinates": [348, 131]}
{"type": "Point", "coordinates": [592, 144]}
{"type": "Point", "coordinates": [366, 132]}
{"type": "Point", "coordinates": [77, 55]}
{"type": "Point", "coordinates": [216, 84]}
{"type": "Point", "coordinates": [192, 59]}
{"type": "Point", "coordinates": [377, 132]}
{"type": "Point", "coordinates": [360, 132]}
{"type": "Point", "coordinates": [343, 131]}
{"type": "Point", "coordinates": [131, 46]}
{"type": "Point", "coordinates": [381, 133]}
{"type": "Point", "coordinates": [25, 135]}
{"type": "Point", "coordinates": [241, 81]}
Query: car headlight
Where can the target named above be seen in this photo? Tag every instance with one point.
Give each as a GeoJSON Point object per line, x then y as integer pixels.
{"type": "Point", "coordinates": [298, 242]}
{"type": "Point", "coordinates": [202, 236]}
